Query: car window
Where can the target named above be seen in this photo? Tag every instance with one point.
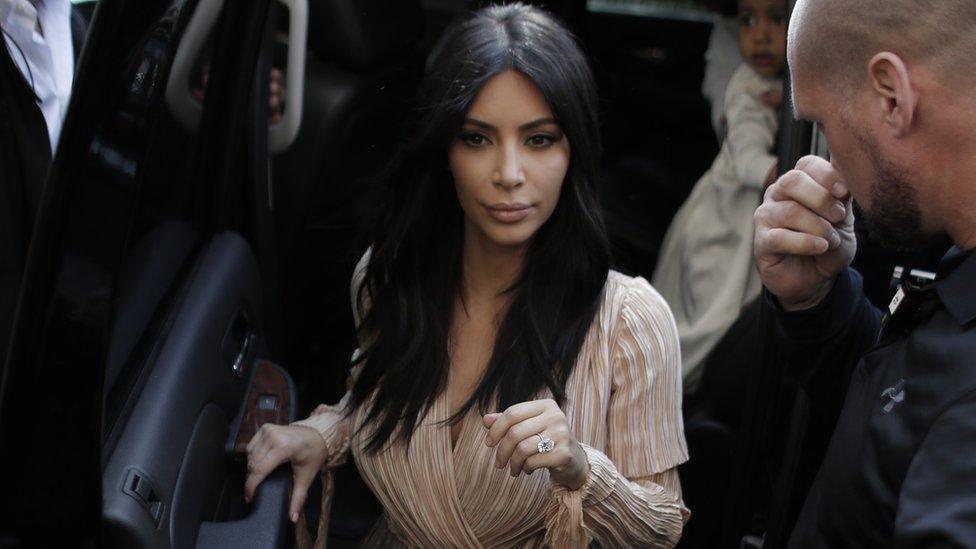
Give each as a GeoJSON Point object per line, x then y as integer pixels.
{"type": "Point", "coordinates": [133, 218]}
{"type": "Point", "coordinates": [158, 221]}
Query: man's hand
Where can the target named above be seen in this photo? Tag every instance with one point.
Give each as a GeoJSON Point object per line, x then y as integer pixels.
{"type": "Point", "coordinates": [276, 96]}
{"type": "Point", "coordinates": [804, 233]}
{"type": "Point", "coordinates": [276, 92]}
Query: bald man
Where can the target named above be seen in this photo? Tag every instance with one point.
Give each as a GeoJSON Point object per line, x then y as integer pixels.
{"type": "Point", "coordinates": [892, 83]}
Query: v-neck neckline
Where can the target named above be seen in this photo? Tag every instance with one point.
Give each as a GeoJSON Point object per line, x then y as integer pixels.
{"type": "Point", "coordinates": [452, 444]}
{"type": "Point", "coordinates": [451, 448]}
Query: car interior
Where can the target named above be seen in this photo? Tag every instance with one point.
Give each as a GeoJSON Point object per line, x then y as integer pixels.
{"type": "Point", "coordinates": [188, 275]}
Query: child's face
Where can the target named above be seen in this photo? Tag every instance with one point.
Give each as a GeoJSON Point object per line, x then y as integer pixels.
{"type": "Point", "coordinates": [762, 35]}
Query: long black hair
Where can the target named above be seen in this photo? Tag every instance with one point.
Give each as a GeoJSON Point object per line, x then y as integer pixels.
{"type": "Point", "coordinates": [413, 277]}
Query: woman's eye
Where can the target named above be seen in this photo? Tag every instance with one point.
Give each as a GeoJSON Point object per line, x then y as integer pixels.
{"type": "Point", "coordinates": [779, 20]}
{"type": "Point", "coordinates": [541, 140]}
{"type": "Point", "coordinates": [474, 139]}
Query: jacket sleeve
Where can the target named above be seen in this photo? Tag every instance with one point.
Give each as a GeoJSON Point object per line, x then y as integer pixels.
{"type": "Point", "coordinates": [632, 496]}
{"type": "Point", "coordinates": [822, 345]}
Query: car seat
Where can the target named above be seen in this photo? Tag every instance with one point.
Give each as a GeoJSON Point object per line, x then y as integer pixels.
{"type": "Point", "coordinates": [362, 65]}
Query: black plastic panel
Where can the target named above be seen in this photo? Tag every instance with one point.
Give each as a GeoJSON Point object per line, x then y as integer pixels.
{"type": "Point", "coordinates": [198, 487]}
{"type": "Point", "coordinates": [179, 424]}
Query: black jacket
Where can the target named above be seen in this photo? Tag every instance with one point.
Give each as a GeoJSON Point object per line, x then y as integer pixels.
{"type": "Point", "coordinates": [25, 156]}
{"type": "Point", "coordinates": [900, 470]}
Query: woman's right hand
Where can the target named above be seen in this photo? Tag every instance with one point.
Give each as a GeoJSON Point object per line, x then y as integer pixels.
{"type": "Point", "coordinates": [273, 445]}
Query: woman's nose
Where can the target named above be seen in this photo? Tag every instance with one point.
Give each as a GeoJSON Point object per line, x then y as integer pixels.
{"type": "Point", "coordinates": [508, 171]}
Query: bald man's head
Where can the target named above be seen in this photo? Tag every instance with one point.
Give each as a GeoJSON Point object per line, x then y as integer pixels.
{"type": "Point", "coordinates": [831, 41]}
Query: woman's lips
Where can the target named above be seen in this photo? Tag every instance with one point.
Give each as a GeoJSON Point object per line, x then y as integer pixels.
{"type": "Point", "coordinates": [509, 213]}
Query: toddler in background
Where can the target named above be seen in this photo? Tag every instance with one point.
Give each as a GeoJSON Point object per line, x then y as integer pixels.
{"type": "Point", "coordinates": [705, 270]}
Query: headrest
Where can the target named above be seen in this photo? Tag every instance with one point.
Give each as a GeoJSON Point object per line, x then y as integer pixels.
{"type": "Point", "coordinates": [361, 34]}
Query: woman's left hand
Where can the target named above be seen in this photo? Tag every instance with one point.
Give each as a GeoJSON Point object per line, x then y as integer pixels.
{"type": "Point", "coordinates": [516, 434]}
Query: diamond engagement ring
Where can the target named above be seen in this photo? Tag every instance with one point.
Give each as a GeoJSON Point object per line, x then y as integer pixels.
{"type": "Point", "coordinates": [545, 445]}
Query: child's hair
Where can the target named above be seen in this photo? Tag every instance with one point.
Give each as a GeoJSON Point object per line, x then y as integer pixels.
{"type": "Point", "coordinates": [725, 8]}
{"type": "Point", "coordinates": [414, 274]}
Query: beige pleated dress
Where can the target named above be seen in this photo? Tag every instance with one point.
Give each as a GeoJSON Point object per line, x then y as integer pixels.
{"type": "Point", "coordinates": [705, 270]}
{"type": "Point", "coordinates": [624, 406]}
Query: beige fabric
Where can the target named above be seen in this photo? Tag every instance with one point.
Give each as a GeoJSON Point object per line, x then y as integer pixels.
{"type": "Point", "coordinates": [624, 406]}
{"type": "Point", "coordinates": [705, 269]}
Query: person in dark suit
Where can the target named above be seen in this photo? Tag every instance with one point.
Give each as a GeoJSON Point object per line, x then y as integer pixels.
{"type": "Point", "coordinates": [891, 83]}
{"type": "Point", "coordinates": [26, 144]}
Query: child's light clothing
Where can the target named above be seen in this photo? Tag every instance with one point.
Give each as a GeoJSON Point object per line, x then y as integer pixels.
{"type": "Point", "coordinates": [705, 270]}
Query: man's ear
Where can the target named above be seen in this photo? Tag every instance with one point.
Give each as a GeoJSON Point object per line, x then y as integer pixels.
{"type": "Point", "coordinates": [892, 89]}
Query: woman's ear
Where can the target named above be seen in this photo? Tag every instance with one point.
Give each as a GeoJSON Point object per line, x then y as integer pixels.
{"type": "Point", "coordinates": [893, 91]}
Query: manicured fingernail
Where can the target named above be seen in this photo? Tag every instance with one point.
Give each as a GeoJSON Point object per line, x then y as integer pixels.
{"type": "Point", "coordinates": [294, 517]}
{"type": "Point", "coordinates": [839, 189]}
{"type": "Point", "coordinates": [822, 245]}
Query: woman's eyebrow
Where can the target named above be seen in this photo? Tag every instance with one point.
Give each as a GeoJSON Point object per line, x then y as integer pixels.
{"type": "Point", "coordinates": [526, 126]}
{"type": "Point", "coordinates": [479, 123]}
{"type": "Point", "coordinates": [537, 123]}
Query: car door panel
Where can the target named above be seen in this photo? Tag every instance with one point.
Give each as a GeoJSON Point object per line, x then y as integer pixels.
{"type": "Point", "coordinates": [179, 433]}
{"type": "Point", "coordinates": [142, 312]}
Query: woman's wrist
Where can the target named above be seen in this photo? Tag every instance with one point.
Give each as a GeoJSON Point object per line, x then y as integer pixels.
{"type": "Point", "coordinates": [576, 479]}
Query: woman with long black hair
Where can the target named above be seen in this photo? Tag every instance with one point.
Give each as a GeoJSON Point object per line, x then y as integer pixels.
{"type": "Point", "coordinates": [510, 389]}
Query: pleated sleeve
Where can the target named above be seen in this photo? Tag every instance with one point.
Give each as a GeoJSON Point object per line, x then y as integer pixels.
{"type": "Point", "coordinates": [335, 426]}
{"type": "Point", "coordinates": [632, 496]}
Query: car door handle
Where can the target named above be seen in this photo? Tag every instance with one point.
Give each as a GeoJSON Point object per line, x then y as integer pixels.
{"type": "Point", "coordinates": [188, 110]}
{"type": "Point", "coordinates": [282, 135]}
{"type": "Point", "coordinates": [238, 343]}
{"type": "Point", "coordinates": [242, 354]}
{"type": "Point", "coordinates": [265, 526]}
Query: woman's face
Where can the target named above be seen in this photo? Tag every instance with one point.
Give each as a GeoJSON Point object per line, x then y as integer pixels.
{"type": "Point", "coordinates": [508, 161]}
